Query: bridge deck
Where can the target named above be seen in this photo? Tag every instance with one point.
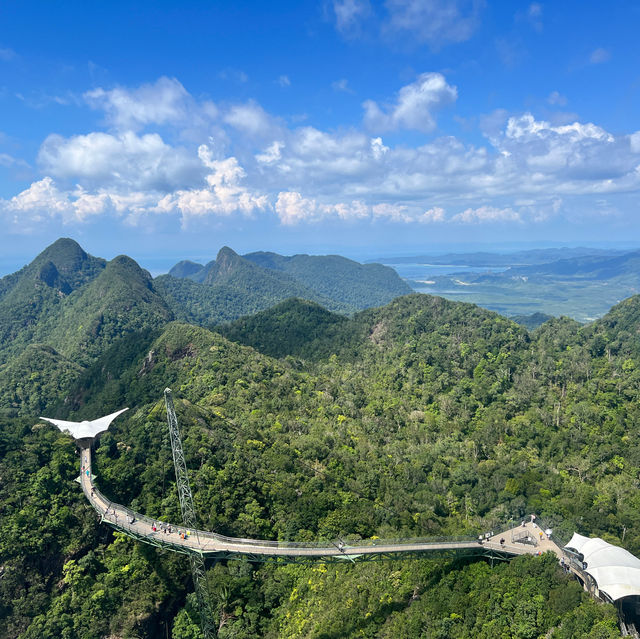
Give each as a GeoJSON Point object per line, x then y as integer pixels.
{"type": "Point", "coordinates": [207, 543]}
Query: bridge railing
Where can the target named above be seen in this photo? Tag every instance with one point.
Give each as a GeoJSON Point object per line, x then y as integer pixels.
{"type": "Point", "coordinates": [128, 519]}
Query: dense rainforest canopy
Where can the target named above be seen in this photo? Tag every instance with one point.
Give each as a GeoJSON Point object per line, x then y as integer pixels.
{"type": "Point", "coordinates": [422, 417]}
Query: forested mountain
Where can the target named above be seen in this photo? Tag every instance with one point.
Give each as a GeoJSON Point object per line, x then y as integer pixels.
{"type": "Point", "coordinates": [74, 307]}
{"type": "Point", "coordinates": [345, 281]}
{"type": "Point", "coordinates": [423, 417]}
{"type": "Point", "coordinates": [293, 327]}
{"type": "Point", "coordinates": [37, 291]}
{"type": "Point", "coordinates": [232, 286]}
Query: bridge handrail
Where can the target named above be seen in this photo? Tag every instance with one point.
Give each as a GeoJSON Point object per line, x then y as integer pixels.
{"type": "Point", "coordinates": [208, 535]}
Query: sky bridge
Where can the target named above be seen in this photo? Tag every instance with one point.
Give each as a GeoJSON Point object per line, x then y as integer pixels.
{"type": "Point", "coordinates": [518, 541]}
{"type": "Point", "coordinates": [594, 562]}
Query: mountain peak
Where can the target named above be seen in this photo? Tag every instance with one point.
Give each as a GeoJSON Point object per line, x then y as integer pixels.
{"type": "Point", "coordinates": [226, 253]}
{"type": "Point", "coordinates": [226, 260]}
{"type": "Point", "coordinates": [72, 263]}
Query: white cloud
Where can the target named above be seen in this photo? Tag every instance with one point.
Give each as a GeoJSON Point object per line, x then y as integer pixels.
{"type": "Point", "coordinates": [599, 55]}
{"type": "Point", "coordinates": [164, 102]}
{"type": "Point", "coordinates": [414, 107]}
{"type": "Point", "coordinates": [349, 13]}
{"type": "Point", "coordinates": [434, 214]}
{"type": "Point", "coordinates": [292, 208]}
{"type": "Point", "coordinates": [434, 22]}
{"type": "Point", "coordinates": [391, 212]}
{"type": "Point", "coordinates": [271, 154]}
{"type": "Point", "coordinates": [487, 214]}
{"type": "Point", "coordinates": [43, 201]}
{"type": "Point", "coordinates": [377, 148]}
{"type": "Point", "coordinates": [224, 194]}
{"type": "Point", "coordinates": [122, 160]}
{"type": "Point", "coordinates": [354, 210]}
{"type": "Point", "coordinates": [284, 81]}
{"type": "Point", "coordinates": [567, 154]}
{"type": "Point", "coordinates": [308, 175]}
{"type": "Point", "coordinates": [41, 196]}
{"type": "Point", "coordinates": [250, 119]}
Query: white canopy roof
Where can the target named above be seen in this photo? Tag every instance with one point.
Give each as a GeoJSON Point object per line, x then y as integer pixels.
{"type": "Point", "coordinates": [615, 570]}
{"type": "Point", "coordinates": [82, 430]}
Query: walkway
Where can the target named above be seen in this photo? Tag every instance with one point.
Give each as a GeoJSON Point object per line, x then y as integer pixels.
{"type": "Point", "coordinates": [521, 540]}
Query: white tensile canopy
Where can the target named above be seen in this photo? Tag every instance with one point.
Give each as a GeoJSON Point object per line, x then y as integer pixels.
{"type": "Point", "coordinates": [85, 429]}
{"type": "Point", "coordinates": [614, 569]}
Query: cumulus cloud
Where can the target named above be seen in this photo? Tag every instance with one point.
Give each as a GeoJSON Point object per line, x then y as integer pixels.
{"type": "Point", "coordinates": [378, 149]}
{"type": "Point", "coordinates": [41, 196]}
{"type": "Point", "coordinates": [354, 210]}
{"type": "Point", "coordinates": [271, 154]}
{"type": "Point", "coordinates": [122, 160]}
{"type": "Point", "coordinates": [434, 22]}
{"type": "Point", "coordinates": [487, 214]}
{"type": "Point", "coordinates": [307, 175]}
{"type": "Point", "coordinates": [251, 119]}
{"type": "Point", "coordinates": [414, 107]}
{"type": "Point", "coordinates": [392, 212]}
{"type": "Point", "coordinates": [224, 194]}
{"type": "Point", "coordinates": [571, 151]}
{"type": "Point", "coordinates": [292, 208]}
{"type": "Point", "coordinates": [434, 214]}
{"type": "Point", "coordinates": [165, 101]}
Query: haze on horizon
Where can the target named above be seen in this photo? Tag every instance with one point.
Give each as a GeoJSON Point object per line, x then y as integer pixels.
{"type": "Point", "coordinates": [346, 126]}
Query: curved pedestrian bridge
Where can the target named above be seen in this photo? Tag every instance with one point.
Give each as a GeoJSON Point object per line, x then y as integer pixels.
{"type": "Point", "coordinates": [524, 539]}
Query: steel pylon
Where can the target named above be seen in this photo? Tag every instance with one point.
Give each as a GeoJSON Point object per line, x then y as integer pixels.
{"type": "Point", "coordinates": [198, 573]}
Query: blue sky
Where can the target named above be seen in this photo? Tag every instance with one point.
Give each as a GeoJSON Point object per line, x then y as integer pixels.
{"type": "Point", "coordinates": [351, 126]}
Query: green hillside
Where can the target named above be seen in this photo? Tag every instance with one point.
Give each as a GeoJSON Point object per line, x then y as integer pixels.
{"type": "Point", "coordinates": [232, 286]}
{"type": "Point", "coordinates": [423, 417]}
{"type": "Point", "coordinates": [356, 285]}
{"type": "Point", "coordinates": [229, 288]}
{"type": "Point", "coordinates": [38, 290]}
{"type": "Point", "coordinates": [293, 327]}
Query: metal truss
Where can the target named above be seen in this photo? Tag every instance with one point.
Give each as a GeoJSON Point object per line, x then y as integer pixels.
{"type": "Point", "coordinates": [198, 572]}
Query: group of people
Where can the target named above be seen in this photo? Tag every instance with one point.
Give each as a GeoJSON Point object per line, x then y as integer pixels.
{"type": "Point", "coordinates": [167, 529]}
